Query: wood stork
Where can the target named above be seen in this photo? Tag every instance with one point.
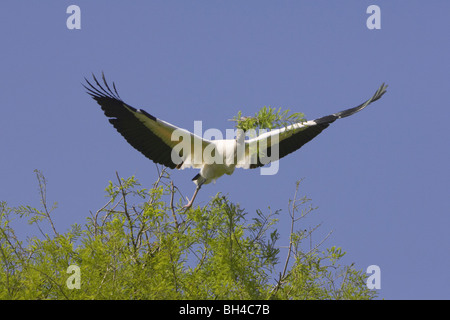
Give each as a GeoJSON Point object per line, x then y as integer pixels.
{"type": "Point", "coordinates": [158, 140]}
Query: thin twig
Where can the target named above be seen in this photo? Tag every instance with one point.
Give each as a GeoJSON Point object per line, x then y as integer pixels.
{"type": "Point", "coordinates": [155, 185]}
{"type": "Point", "coordinates": [292, 210]}
{"type": "Point", "coordinates": [43, 192]}
{"type": "Point", "coordinates": [96, 225]}
{"type": "Point", "coordinates": [126, 211]}
{"type": "Point", "coordinates": [110, 211]}
{"type": "Point", "coordinates": [343, 281]}
{"type": "Point", "coordinates": [319, 244]}
{"type": "Point", "coordinates": [172, 192]}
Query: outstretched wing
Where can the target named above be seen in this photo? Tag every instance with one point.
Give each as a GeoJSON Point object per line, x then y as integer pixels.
{"type": "Point", "coordinates": [151, 136]}
{"type": "Point", "coordinates": [293, 137]}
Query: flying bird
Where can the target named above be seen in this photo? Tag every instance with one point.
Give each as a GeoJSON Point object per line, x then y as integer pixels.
{"type": "Point", "coordinates": [178, 148]}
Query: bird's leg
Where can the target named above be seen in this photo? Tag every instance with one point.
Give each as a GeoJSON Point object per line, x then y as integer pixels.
{"type": "Point", "coordinates": [192, 199]}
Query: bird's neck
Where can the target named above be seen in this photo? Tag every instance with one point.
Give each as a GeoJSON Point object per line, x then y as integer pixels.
{"type": "Point", "coordinates": [240, 136]}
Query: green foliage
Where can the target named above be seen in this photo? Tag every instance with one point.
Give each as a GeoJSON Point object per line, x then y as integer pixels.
{"type": "Point", "coordinates": [140, 245]}
{"type": "Point", "coordinates": [268, 118]}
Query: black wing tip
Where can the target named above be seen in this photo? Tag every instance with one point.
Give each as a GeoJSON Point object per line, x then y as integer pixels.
{"type": "Point", "coordinates": [98, 91]}
{"type": "Point", "coordinates": [377, 95]}
{"type": "Point", "coordinates": [380, 92]}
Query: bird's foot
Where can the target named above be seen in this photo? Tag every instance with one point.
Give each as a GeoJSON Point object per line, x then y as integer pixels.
{"type": "Point", "coordinates": [190, 202]}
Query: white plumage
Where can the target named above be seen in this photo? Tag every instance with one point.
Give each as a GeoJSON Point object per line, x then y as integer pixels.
{"type": "Point", "coordinates": [178, 148]}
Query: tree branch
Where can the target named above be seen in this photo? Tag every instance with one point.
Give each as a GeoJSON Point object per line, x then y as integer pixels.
{"type": "Point", "coordinates": [126, 211]}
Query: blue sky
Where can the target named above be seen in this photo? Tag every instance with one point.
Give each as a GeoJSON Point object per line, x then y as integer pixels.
{"type": "Point", "coordinates": [380, 179]}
